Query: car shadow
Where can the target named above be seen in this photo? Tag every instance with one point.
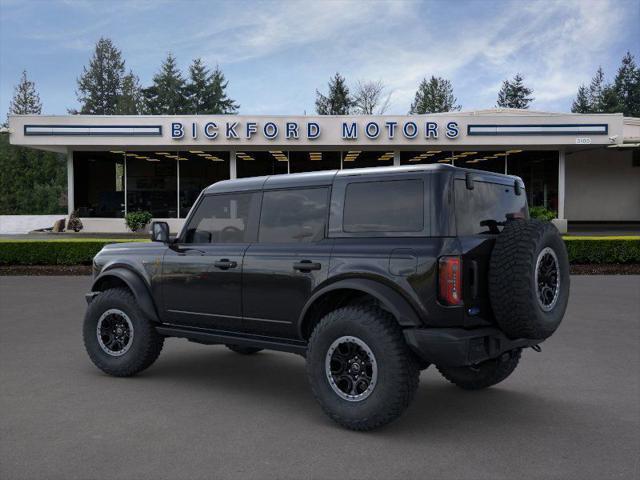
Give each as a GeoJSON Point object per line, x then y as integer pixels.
{"type": "Point", "coordinates": [278, 381]}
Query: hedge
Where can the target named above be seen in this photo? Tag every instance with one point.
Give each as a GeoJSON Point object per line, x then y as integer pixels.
{"type": "Point", "coordinates": [72, 251]}
{"type": "Point", "coordinates": [583, 250]}
{"type": "Point", "coordinates": [80, 251]}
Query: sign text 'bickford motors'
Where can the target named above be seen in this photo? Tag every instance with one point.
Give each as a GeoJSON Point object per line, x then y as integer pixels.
{"type": "Point", "coordinates": [290, 130]}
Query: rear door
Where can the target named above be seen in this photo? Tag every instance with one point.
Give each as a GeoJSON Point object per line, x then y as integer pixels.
{"type": "Point", "coordinates": [290, 258]}
{"type": "Point", "coordinates": [202, 272]}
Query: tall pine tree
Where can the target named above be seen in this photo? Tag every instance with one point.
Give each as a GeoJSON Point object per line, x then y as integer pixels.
{"type": "Point", "coordinates": [31, 181]}
{"type": "Point", "coordinates": [514, 94]}
{"type": "Point", "coordinates": [167, 94]}
{"type": "Point", "coordinates": [582, 102]}
{"type": "Point", "coordinates": [338, 100]}
{"type": "Point", "coordinates": [100, 85]}
{"type": "Point", "coordinates": [25, 99]}
{"type": "Point", "coordinates": [627, 86]}
{"type": "Point", "coordinates": [206, 92]}
{"type": "Point", "coordinates": [433, 96]}
{"type": "Point", "coordinates": [130, 101]}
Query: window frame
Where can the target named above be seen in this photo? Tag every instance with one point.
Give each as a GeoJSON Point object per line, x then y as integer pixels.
{"type": "Point", "coordinates": [328, 191]}
{"type": "Point", "coordinates": [251, 232]}
{"type": "Point", "coordinates": [338, 204]}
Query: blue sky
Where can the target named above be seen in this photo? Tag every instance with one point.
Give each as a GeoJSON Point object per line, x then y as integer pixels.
{"type": "Point", "coordinates": [275, 54]}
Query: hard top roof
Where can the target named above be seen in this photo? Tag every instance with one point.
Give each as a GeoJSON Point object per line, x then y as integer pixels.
{"type": "Point", "coordinates": [326, 177]}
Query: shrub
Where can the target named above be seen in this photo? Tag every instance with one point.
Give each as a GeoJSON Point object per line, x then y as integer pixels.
{"type": "Point", "coordinates": [137, 220]}
{"type": "Point", "coordinates": [73, 251]}
{"type": "Point", "coordinates": [603, 249]}
{"type": "Point", "coordinates": [542, 213]}
{"type": "Point", "coordinates": [75, 223]}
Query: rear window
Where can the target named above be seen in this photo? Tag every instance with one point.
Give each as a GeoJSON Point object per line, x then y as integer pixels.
{"type": "Point", "coordinates": [482, 209]}
{"type": "Point", "coordinates": [390, 206]}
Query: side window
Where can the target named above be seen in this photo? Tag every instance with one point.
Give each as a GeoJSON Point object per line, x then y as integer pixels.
{"type": "Point", "coordinates": [221, 219]}
{"type": "Point", "coordinates": [387, 206]}
{"type": "Point", "coordinates": [293, 216]}
{"type": "Point", "coordinates": [482, 209]}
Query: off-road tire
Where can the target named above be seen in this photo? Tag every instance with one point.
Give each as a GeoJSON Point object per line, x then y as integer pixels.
{"type": "Point", "coordinates": [483, 375]}
{"type": "Point", "coordinates": [512, 286]}
{"type": "Point", "coordinates": [397, 377]}
{"type": "Point", "coordinates": [146, 344]}
{"type": "Point", "coordinates": [242, 350]}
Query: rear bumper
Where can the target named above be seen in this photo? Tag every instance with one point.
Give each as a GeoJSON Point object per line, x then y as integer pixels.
{"type": "Point", "coordinates": [456, 347]}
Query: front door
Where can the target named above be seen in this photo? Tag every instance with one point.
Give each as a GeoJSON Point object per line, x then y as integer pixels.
{"type": "Point", "coordinates": [202, 271]}
{"type": "Point", "coordinates": [290, 258]}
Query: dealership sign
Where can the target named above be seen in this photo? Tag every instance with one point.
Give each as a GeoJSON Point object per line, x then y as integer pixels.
{"type": "Point", "coordinates": [292, 130]}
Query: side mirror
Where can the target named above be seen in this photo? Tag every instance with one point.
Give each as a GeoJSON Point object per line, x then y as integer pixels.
{"type": "Point", "coordinates": [160, 232]}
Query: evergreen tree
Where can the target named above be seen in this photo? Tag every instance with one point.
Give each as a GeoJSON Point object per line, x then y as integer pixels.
{"type": "Point", "coordinates": [596, 91]}
{"type": "Point", "coordinates": [338, 101]}
{"type": "Point", "coordinates": [167, 95]}
{"type": "Point", "coordinates": [25, 99]}
{"type": "Point", "coordinates": [627, 86]}
{"type": "Point", "coordinates": [218, 100]}
{"type": "Point", "coordinates": [206, 92]}
{"type": "Point", "coordinates": [130, 101]}
{"type": "Point", "coordinates": [100, 85]}
{"type": "Point", "coordinates": [514, 94]}
{"type": "Point", "coordinates": [433, 96]}
{"type": "Point", "coordinates": [581, 104]}
{"type": "Point", "coordinates": [196, 89]}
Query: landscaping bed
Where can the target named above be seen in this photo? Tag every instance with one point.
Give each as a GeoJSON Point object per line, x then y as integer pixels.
{"type": "Point", "coordinates": [73, 256]}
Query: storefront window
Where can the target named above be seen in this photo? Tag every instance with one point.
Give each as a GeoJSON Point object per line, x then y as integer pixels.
{"type": "Point", "coordinates": [259, 163]}
{"type": "Point", "coordinates": [99, 184]}
{"type": "Point", "coordinates": [197, 170]}
{"type": "Point", "coordinates": [539, 171]}
{"type": "Point", "coordinates": [152, 184]}
{"type": "Point", "coordinates": [313, 161]}
{"type": "Point", "coordinates": [363, 158]}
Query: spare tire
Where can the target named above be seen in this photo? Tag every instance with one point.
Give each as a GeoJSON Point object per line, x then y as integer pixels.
{"type": "Point", "coordinates": [529, 279]}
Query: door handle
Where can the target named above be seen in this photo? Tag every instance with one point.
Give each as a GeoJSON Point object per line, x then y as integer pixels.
{"type": "Point", "coordinates": [306, 266]}
{"type": "Point", "coordinates": [225, 264]}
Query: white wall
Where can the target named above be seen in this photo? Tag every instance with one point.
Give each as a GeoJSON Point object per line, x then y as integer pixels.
{"type": "Point", "coordinates": [26, 223]}
{"type": "Point", "coordinates": [602, 185]}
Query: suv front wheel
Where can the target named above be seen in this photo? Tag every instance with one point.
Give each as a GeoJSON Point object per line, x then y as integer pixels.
{"type": "Point", "coordinates": [119, 339]}
{"type": "Point", "coordinates": [361, 371]}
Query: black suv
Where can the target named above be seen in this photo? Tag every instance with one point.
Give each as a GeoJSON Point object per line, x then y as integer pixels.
{"type": "Point", "coordinates": [371, 274]}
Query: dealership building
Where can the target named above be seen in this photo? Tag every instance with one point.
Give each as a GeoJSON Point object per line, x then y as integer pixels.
{"type": "Point", "coordinates": [585, 167]}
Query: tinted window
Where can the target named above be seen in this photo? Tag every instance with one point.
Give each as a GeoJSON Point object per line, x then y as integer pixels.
{"type": "Point", "coordinates": [391, 206]}
{"type": "Point", "coordinates": [293, 215]}
{"type": "Point", "coordinates": [220, 219]}
{"type": "Point", "coordinates": [486, 203]}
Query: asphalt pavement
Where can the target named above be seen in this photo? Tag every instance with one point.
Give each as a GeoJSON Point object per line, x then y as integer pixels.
{"type": "Point", "coordinates": [570, 412]}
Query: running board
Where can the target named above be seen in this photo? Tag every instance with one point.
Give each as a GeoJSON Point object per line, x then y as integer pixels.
{"type": "Point", "coordinates": [244, 339]}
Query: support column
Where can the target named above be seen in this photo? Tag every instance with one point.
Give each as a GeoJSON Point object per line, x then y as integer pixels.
{"type": "Point", "coordinates": [561, 183]}
{"type": "Point", "coordinates": [396, 158]}
{"type": "Point", "coordinates": [233, 171]}
{"type": "Point", "coordinates": [70, 183]}
{"type": "Point", "coordinates": [561, 221]}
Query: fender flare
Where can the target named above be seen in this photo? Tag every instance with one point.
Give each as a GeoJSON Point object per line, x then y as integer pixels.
{"type": "Point", "coordinates": [395, 303]}
{"type": "Point", "coordinates": [137, 286]}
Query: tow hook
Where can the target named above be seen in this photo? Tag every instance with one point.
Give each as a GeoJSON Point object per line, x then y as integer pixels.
{"type": "Point", "coordinates": [536, 348]}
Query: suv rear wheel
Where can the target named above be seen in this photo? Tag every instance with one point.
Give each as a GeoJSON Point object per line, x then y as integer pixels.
{"type": "Point", "coordinates": [483, 375]}
{"type": "Point", "coordinates": [119, 339]}
{"type": "Point", "coordinates": [361, 371]}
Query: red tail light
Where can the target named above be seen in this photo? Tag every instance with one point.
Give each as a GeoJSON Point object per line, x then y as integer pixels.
{"type": "Point", "coordinates": [450, 280]}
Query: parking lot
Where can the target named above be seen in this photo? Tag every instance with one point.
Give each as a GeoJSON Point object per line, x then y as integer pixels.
{"type": "Point", "coordinates": [572, 411]}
